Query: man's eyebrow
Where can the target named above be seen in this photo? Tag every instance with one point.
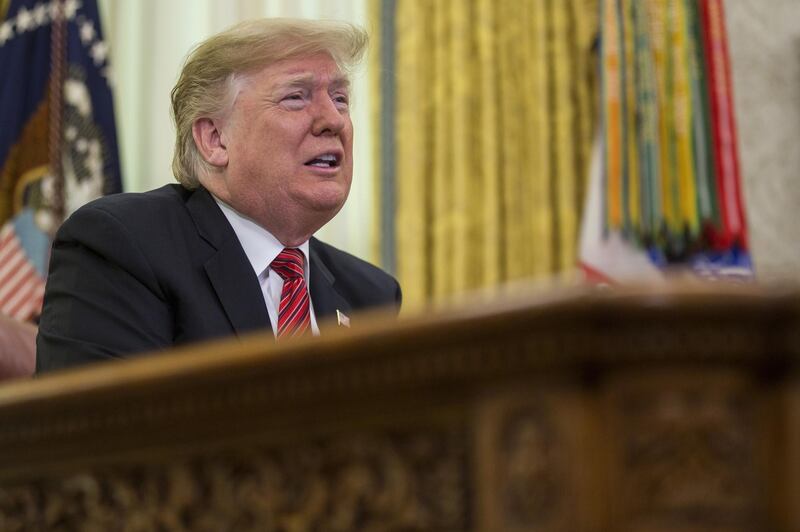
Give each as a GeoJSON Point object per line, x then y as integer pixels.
{"type": "Point", "coordinates": [339, 82]}
{"type": "Point", "coordinates": [304, 80]}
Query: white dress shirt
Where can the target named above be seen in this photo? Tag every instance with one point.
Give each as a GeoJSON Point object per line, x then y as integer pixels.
{"type": "Point", "coordinates": [261, 249]}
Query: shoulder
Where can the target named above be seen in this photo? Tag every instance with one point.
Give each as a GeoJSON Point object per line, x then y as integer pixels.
{"type": "Point", "coordinates": [130, 227]}
{"type": "Point", "coordinates": [344, 262]}
{"type": "Point", "coordinates": [365, 282]}
{"type": "Point", "coordinates": [141, 212]}
{"type": "Point", "coordinates": [139, 204]}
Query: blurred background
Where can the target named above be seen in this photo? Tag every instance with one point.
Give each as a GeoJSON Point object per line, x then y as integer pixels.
{"type": "Point", "coordinates": [477, 123]}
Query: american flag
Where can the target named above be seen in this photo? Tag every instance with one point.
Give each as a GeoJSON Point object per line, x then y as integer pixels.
{"type": "Point", "coordinates": [21, 285]}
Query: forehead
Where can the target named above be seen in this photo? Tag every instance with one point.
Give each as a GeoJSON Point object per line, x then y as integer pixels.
{"type": "Point", "coordinates": [319, 69]}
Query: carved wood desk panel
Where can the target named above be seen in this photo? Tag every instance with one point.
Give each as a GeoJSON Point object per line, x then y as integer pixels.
{"type": "Point", "coordinates": [676, 410]}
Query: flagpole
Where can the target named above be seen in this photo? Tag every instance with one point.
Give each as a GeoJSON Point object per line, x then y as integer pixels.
{"type": "Point", "coordinates": [58, 41]}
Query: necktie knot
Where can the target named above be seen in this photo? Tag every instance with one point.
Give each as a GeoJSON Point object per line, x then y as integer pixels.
{"type": "Point", "coordinates": [289, 264]}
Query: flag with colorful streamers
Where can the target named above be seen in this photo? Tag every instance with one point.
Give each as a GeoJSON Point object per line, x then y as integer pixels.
{"type": "Point", "coordinates": [665, 185]}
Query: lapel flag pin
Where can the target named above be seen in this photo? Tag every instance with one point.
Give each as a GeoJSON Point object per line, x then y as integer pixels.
{"type": "Point", "coordinates": [342, 318]}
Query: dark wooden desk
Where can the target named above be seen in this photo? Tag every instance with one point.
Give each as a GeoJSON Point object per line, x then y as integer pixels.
{"type": "Point", "coordinates": [676, 410]}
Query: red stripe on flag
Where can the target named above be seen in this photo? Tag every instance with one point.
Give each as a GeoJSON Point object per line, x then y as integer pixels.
{"type": "Point", "coordinates": [8, 246]}
{"type": "Point", "coordinates": [11, 276]}
{"type": "Point", "coordinates": [16, 283]}
{"type": "Point", "coordinates": [21, 288]}
{"type": "Point", "coordinates": [14, 305]}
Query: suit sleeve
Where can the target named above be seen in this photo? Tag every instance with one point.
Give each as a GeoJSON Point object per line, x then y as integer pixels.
{"type": "Point", "coordinates": [103, 299]}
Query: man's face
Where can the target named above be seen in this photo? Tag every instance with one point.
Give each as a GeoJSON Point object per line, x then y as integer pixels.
{"type": "Point", "coordinates": [289, 141]}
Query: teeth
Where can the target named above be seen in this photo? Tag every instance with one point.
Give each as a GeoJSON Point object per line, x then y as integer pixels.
{"type": "Point", "coordinates": [327, 160]}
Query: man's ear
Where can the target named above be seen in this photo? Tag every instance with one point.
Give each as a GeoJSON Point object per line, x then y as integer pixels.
{"type": "Point", "coordinates": [208, 139]}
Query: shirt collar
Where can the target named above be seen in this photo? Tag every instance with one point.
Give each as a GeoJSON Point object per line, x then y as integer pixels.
{"type": "Point", "coordinates": [260, 246]}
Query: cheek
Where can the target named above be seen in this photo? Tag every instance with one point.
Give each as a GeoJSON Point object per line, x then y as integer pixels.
{"type": "Point", "coordinates": [349, 170]}
{"type": "Point", "coordinates": [349, 135]}
{"type": "Point", "coordinates": [282, 148]}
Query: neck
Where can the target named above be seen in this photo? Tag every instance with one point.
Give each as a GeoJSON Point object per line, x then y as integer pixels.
{"type": "Point", "coordinates": [291, 240]}
{"type": "Point", "coordinates": [290, 228]}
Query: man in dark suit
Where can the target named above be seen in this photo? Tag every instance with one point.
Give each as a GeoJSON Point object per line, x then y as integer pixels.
{"type": "Point", "coordinates": [264, 159]}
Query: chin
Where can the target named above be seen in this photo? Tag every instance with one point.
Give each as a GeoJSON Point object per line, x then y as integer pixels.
{"type": "Point", "coordinates": [327, 197]}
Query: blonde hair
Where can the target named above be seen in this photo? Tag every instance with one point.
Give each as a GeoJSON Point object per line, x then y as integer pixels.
{"type": "Point", "coordinates": [207, 84]}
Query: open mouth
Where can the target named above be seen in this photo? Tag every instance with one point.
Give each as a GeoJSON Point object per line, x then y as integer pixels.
{"type": "Point", "coordinates": [325, 160]}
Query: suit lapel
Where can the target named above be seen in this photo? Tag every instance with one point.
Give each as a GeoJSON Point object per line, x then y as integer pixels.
{"type": "Point", "coordinates": [228, 269]}
{"type": "Point", "coordinates": [326, 298]}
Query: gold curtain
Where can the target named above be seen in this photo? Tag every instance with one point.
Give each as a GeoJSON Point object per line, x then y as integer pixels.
{"type": "Point", "coordinates": [494, 119]}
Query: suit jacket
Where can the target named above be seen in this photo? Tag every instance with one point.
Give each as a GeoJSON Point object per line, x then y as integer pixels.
{"type": "Point", "coordinates": [140, 272]}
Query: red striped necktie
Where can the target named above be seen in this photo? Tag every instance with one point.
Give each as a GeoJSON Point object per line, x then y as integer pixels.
{"type": "Point", "coordinates": [294, 317]}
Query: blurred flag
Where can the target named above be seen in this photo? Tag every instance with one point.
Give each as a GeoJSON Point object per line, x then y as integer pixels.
{"type": "Point", "coordinates": [664, 193]}
{"type": "Point", "coordinates": [58, 145]}
{"type": "Point", "coordinates": [606, 256]}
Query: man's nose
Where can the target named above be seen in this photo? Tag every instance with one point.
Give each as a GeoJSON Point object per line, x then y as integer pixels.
{"type": "Point", "coordinates": [328, 119]}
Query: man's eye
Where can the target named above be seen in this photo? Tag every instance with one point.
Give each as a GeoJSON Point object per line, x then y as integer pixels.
{"type": "Point", "coordinates": [341, 100]}
{"type": "Point", "coordinates": [295, 100]}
